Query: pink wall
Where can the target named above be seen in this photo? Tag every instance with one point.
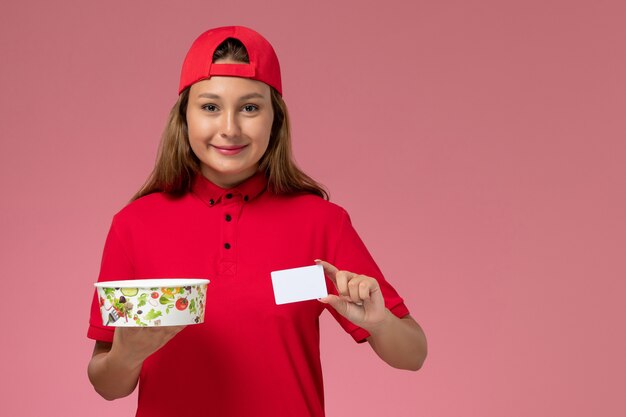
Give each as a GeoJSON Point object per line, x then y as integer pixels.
{"type": "Point", "coordinates": [479, 147]}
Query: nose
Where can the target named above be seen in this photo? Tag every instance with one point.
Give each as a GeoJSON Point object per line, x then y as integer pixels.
{"type": "Point", "coordinates": [230, 125]}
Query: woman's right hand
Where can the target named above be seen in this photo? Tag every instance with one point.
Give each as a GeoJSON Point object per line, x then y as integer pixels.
{"type": "Point", "coordinates": [133, 345]}
{"type": "Point", "coordinates": [114, 368]}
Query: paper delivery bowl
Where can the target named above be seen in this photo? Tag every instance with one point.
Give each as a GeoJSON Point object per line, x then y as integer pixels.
{"type": "Point", "coordinates": [152, 302]}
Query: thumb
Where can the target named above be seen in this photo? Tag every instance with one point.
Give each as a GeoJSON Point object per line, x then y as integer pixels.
{"type": "Point", "coordinates": [336, 302]}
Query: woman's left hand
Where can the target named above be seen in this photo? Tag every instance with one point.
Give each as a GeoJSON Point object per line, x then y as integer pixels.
{"type": "Point", "coordinates": [360, 299]}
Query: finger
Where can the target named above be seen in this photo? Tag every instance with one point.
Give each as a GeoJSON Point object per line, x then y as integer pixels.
{"type": "Point", "coordinates": [367, 287]}
{"type": "Point", "coordinates": [329, 270]}
{"type": "Point", "coordinates": [361, 287]}
{"type": "Point", "coordinates": [176, 329]}
{"type": "Point", "coordinates": [338, 303]}
{"type": "Point", "coordinates": [343, 279]}
{"type": "Point", "coordinates": [162, 335]}
{"type": "Point", "coordinates": [353, 288]}
{"type": "Point", "coordinates": [339, 278]}
{"type": "Point", "coordinates": [345, 308]}
{"type": "Point", "coordinates": [169, 332]}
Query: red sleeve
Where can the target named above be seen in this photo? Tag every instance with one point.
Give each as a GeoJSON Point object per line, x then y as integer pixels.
{"type": "Point", "coordinates": [352, 255]}
{"type": "Point", "coordinates": [116, 264]}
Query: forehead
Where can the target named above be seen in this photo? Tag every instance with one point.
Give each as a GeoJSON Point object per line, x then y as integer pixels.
{"type": "Point", "coordinates": [227, 86]}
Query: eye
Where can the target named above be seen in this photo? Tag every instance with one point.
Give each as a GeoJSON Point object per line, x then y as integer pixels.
{"type": "Point", "coordinates": [209, 107]}
{"type": "Point", "coordinates": [248, 108]}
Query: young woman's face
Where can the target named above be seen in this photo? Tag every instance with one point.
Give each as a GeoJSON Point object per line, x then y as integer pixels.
{"type": "Point", "coordinates": [229, 121]}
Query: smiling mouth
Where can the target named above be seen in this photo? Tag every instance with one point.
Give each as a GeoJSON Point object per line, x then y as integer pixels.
{"type": "Point", "coordinates": [229, 150]}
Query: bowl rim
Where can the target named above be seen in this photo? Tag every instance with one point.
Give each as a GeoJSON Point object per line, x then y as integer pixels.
{"type": "Point", "coordinates": [152, 283]}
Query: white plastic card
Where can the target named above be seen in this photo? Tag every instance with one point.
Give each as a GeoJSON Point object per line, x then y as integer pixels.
{"type": "Point", "coordinates": [299, 284]}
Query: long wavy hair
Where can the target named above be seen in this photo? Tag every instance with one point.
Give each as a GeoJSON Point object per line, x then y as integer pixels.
{"type": "Point", "coordinates": [177, 165]}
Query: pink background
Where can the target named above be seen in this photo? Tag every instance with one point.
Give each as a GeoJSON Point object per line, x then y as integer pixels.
{"type": "Point", "coordinates": [479, 147]}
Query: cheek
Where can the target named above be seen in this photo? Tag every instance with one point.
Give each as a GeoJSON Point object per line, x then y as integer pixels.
{"type": "Point", "coordinates": [197, 136]}
{"type": "Point", "coordinates": [194, 127]}
{"type": "Point", "coordinates": [262, 132]}
{"type": "Point", "coordinates": [195, 144]}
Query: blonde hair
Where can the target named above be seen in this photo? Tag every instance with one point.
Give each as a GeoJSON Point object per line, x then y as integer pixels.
{"type": "Point", "coordinates": [177, 165]}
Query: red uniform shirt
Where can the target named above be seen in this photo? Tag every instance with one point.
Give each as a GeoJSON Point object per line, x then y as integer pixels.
{"type": "Point", "coordinates": [250, 357]}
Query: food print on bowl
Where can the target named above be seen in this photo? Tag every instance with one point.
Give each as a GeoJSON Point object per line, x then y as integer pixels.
{"type": "Point", "coordinates": [166, 302]}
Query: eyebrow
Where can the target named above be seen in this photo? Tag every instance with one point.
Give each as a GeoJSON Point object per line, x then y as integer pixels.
{"type": "Point", "coordinates": [245, 97]}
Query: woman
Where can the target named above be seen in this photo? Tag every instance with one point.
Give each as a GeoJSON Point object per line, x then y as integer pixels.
{"type": "Point", "coordinates": [226, 202]}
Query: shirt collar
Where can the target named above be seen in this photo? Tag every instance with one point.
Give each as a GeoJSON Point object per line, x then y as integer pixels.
{"type": "Point", "coordinates": [212, 194]}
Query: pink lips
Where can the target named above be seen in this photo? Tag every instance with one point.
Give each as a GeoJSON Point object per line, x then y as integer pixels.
{"type": "Point", "coordinates": [229, 150]}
